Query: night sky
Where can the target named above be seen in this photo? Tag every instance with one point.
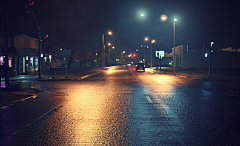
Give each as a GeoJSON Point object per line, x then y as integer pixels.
{"type": "Point", "coordinates": [84, 22]}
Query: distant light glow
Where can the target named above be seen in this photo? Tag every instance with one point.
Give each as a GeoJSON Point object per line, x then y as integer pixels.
{"type": "Point", "coordinates": [153, 41]}
{"type": "Point", "coordinates": [206, 55]}
{"type": "Point", "coordinates": [1, 60]}
{"type": "Point", "coordinates": [50, 58]}
{"type": "Point", "coordinates": [45, 59]}
{"type": "Point", "coordinates": [109, 32]}
{"type": "Point", "coordinates": [175, 19]}
{"type": "Point", "coordinates": [163, 18]}
{"type": "Point", "coordinates": [146, 38]}
{"type": "Point", "coordinates": [142, 14]}
{"type": "Point", "coordinates": [212, 44]}
{"type": "Point", "coordinates": [137, 50]}
{"type": "Point", "coordinates": [124, 52]}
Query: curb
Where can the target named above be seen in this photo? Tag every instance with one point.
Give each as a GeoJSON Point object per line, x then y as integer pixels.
{"type": "Point", "coordinates": [38, 92]}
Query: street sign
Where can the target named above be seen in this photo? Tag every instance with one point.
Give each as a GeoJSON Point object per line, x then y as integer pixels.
{"type": "Point", "coordinates": [159, 53]}
{"type": "Point", "coordinates": [63, 53]}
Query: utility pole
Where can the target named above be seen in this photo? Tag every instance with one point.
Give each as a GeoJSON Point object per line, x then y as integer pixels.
{"type": "Point", "coordinates": [96, 54]}
{"type": "Point", "coordinates": [174, 57]}
{"type": "Point", "coordinates": [210, 61]}
{"type": "Point", "coordinates": [103, 51]}
{"type": "Point", "coordinates": [39, 46]}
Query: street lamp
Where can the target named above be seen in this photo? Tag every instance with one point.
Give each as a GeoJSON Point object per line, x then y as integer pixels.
{"type": "Point", "coordinates": [163, 18]}
{"type": "Point", "coordinates": [146, 39]}
{"type": "Point", "coordinates": [152, 41]}
{"type": "Point", "coordinates": [109, 47]}
{"type": "Point", "coordinates": [174, 57]}
{"type": "Point", "coordinates": [103, 47]}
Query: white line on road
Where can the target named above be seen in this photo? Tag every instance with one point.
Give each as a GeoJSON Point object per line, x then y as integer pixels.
{"type": "Point", "coordinates": [149, 99]}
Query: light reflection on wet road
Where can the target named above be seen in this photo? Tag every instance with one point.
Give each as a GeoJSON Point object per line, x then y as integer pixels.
{"type": "Point", "coordinates": [122, 107]}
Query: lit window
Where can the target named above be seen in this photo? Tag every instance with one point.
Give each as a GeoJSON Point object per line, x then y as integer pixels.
{"type": "Point", "coordinates": [45, 59]}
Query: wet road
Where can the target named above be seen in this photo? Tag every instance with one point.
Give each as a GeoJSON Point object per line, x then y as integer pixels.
{"type": "Point", "coordinates": [123, 107]}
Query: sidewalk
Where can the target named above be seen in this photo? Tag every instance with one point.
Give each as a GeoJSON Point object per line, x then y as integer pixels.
{"type": "Point", "coordinates": [202, 75]}
{"type": "Point", "coordinates": [23, 88]}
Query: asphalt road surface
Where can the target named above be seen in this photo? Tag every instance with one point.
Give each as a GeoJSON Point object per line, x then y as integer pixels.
{"type": "Point", "coordinates": [123, 107]}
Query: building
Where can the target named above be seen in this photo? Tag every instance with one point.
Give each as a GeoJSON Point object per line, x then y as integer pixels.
{"type": "Point", "coordinates": [199, 59]}
{"type": "Point", "coordinates": [25, 59]}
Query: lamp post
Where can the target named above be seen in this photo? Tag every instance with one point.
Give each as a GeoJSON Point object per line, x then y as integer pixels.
{"type": "Point", "coordinates": [152, 41]}
{"type": "Point", "coordinates": [174, 57]}
{"type": "Point", "coordinates": [103, 47]}
{"type": "Point", "coordinates": [146, 39]}
{"type": "Point", "coordinates": [109, 50]}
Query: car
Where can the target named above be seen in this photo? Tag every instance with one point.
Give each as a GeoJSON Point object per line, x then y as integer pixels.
{"type": "Point", "coordinates": [140, 66]}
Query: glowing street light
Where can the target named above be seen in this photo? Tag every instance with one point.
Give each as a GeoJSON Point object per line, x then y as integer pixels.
{"type": "Point", "coordinates": [109, 32]}
{"type": "Point", "coordinates": [174, 57]}
{"type": "Point", "coordinates": [103, 46]}
{"type": "Point", "coordinates": [152, 41]}
{"type": "Point", "coordinates": [146, 38]}
{"type": "Point", "coordinates": [163, 18]}
{"type": "Point", "coordinates": [142, 14]}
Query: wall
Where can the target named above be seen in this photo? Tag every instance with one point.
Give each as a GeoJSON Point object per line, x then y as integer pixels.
{"type": "Point", "coordinates": [195, 59]}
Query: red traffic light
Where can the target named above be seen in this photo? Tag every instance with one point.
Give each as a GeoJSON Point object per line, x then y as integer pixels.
{"type": "Point", "coordinates": [31, 3]}
{"type": "Point", "coordinates": [46, 36]}
{"type": "Point", "coordinates": [134, 55]}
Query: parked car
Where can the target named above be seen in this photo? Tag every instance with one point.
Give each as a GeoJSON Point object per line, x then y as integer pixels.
{"type": "Point", "coordinates": [140, 66]}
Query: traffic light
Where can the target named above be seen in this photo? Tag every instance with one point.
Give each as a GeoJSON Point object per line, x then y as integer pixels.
{"type": "Point", "coordinates": [29, 5]}
{"type": "Point", "coordinates": [45, 36]}
{"type": "Point", "coordinates": [134, 55]}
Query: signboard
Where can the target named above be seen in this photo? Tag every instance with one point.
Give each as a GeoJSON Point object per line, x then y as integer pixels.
{"type": "Point", "coordinates": [159, 53]}
{"type": "Point", "coordinates": [63, 53]}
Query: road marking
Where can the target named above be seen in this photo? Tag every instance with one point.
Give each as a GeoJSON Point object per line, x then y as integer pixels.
{"type": "Point", "coordinates": [86, 76]}
{"type": "Point", "coordinates": [149, 99]}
